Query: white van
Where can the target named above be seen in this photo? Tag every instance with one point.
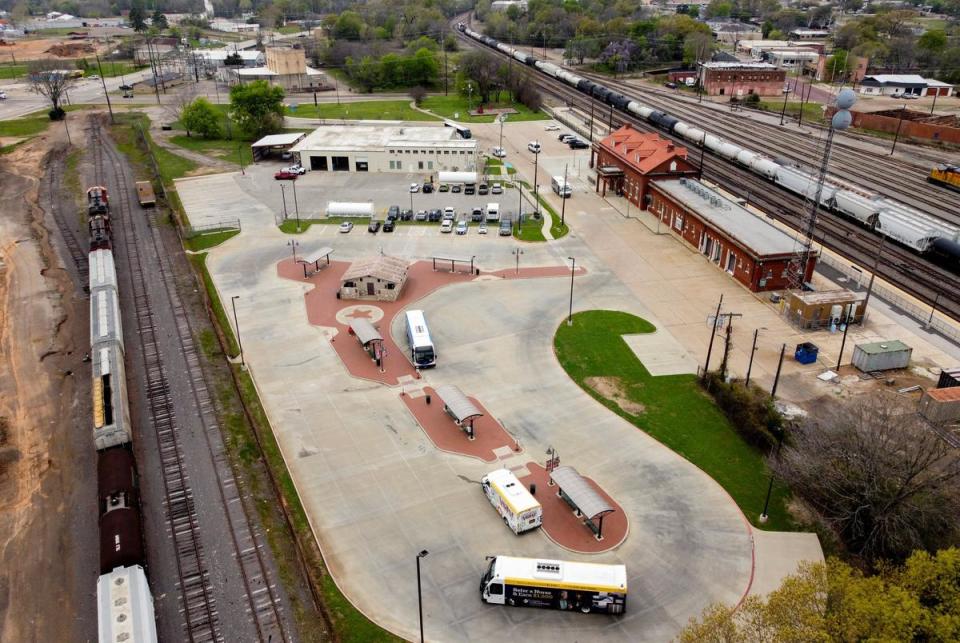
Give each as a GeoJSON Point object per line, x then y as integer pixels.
{"type": "Point", "coordinates": [534, 146]}
{"type": "Point", "coordinates": [517, 506]}
{"type": "Point", "coordinates": [561, 187]}
{"type": "Point", "coordinates": [493, 212]}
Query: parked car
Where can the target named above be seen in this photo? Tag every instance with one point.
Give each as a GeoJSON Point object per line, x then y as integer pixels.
{"type": "Point", "coordinates": [461, 227]}
{"type": "Point", "coordinates": [911, 97]}
{"type": "Point", "coordinates": [477, 214]}
{"type": "Point", "coordinates": [446, 226]}
{"type": "Point", "coordinates": [435, 215]}
{"type": "Point", "coordinates": [346, 226]}
{"type": "Point", "coordinates": [284, 175]}
{"type": "Point", "coordinates": [421, 215]}
{"type": "Point", "coordinates": [577, 144]}
{"type": "Point", "coordinates": [455, 189]}
{"type": "Point", "coordinates": [393, 213]}
{"type": "Point", "coordinates": [534, 147]}
{"type": "Point", "coordinates": [443, 188]}
{"type": "Point", "coordinates": [449, 213]}
{"type": "Point", "coordinates": [482, 228]}
{"type": "Point", "coordinates": [506, 227]}
{"type": "Point", "coordinates": [3, 95]}
{"type": "Point", "coordinates": [552, 127]}
{"type": "Point", "coordinates": [482, 188]}
{"type": "Point", "coordinates": [374, 226]}
{"type": "Point", "coordinates": [406, 215]}
{"type": "Point", "coordinates": [295, 169]}
{"type": "Point", "coordinates": [499, 152]}
{"type": "Point", "coordinates": [427, 188]}
{"type": "Point", "coordinates": [469, 189]}
{"type": "Point", "coordinates": [388, 225]}
{"type": "Point", "coordinates": [93, 77]}
{"type": "Point", "coordinates": [563, 138]}
{"type": "Point", "coordinates": [414, 187]}
{"type": "Point", "coordinates": [125, 88]}
{"type": "Point", "coordinates": [286, 156]}
{"type": "Point", "coordinates": [670, 85]}
{"type": "Point", "coordinates": [496, 189]}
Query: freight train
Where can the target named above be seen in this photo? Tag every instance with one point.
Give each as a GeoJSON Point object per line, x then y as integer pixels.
{"type": "Point", "coordinates": [919, 231]}
{"type": "Point", "coordinates": [125, 605]}
{"type": "Point", "coordinates": [946, 175]}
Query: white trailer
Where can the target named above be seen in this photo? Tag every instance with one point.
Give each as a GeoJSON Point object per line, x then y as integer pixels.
{"type": "Point", "coordinates": [517, 506]}
{"type": "Point", "coordinates": [561, 186]}
{"type": "Point", "coordinates": [343, 209]}
{"type": "Point", "coordinates": [555, 584]}
{"type": "Point", "coordinates": [457, 177]}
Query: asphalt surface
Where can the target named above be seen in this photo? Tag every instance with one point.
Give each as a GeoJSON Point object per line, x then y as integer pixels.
{"type": "Point", "coordinates": [202, 449]}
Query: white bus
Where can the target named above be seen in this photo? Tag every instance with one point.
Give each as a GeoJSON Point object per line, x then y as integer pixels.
{"type": "Point", "coordinates": [418, 337]}
{"type": "Point", "coordinates": [517, 506]}
{"type": "Point", "coordinates": [555, 584]}
{"type": "Point", "coordinates": [561, 187]}
{"type": "Point", "coordinates": [461, 130]}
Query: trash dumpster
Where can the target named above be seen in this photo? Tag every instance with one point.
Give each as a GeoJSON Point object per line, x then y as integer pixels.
{"type": "Point", "coordinates": [806, 353]}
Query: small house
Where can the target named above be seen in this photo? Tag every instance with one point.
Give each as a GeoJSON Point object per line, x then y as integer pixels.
{"type": "Point", "coordinates": [379, 279]}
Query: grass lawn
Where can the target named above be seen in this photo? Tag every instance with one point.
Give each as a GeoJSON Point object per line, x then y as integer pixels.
{"type": "Point", "coordinates": [371, 110]}
{"type": "Point", "coordinates": [113, 68]}
{"type": "Point", "coordinates": [231, 151]}
{"type": "Point", "coordinates": [677, 412]}
{"type": "Point", "coordinates": [11, 71]}
{"type": "Point", "coordinates": [530, 230]}
{"type": "Point", "coordinates": [209, 240]}
{"type": "Point", "coordinates": [290, 225]}
{"type": "Point", "coordinates": [128, 140]}
{"type": "Point", "coordinates": [812, 112]}
{"type": "Point", "coordinates": [447, 106]}
{"type": "Point", "coordinates": [27, 126]}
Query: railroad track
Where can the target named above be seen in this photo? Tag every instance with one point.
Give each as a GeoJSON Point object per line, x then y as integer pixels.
{"type": "Point", "coordinates": [201, 614]}
{"type": "Point", "coordinates": [66, 222]}
{"type": "Point", "coordinates": [898, 180]}
{"type": "Point", "coordinates": [929, 283]}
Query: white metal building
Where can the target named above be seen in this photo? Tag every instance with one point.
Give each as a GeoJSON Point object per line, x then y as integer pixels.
{"type": "Point", "coordinates": [387, 148]}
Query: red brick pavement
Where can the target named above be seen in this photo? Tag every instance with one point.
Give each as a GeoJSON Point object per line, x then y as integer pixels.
{"type": "Point", "coordinates": [564, 528]}
{"type": "Point", "coordinates": [447, 436]}
{"type": "Point", "coordinates": [323, 306]}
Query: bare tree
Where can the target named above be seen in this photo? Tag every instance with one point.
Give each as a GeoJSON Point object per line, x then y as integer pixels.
{"type": "Point", "coordinates": [879, 476]}
{"type": "Point", "coordinates": [183, 96]}
{"type": "Point", "coordinates": [50, 79]}
{"type": "Point", "coordinates": [418, 93]}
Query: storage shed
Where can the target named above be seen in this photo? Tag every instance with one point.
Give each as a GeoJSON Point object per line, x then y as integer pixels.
{"type": "Point", "coordinates": [381, 279]}
{"type": "Point", "coordinates": [940, 405]}
{"type": "Point", "coordinates": [824, 308]}
{"type": "Point", "coordinates": [882, 356]}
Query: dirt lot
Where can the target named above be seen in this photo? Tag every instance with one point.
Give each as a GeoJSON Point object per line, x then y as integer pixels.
{"type": "Point", "coordinates": [32, 49]}
{"type": "Point", "coordinates": [48, 547]}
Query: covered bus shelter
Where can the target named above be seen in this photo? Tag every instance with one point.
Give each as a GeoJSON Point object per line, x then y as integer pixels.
{"type": "Point", "coordinates": [461, 409]}
{"type": "Point", "coordinates": [454, 261]}
{"type": "Point", "coordinates": [369, 337]}
{"type": "Point", "coordinates": [314, 259]}
{"type": "Point", "coordinates": [582, 497]}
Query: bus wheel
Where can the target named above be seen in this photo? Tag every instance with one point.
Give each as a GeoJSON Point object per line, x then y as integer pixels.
{"type": "Point", "coordinates": [585, 609]}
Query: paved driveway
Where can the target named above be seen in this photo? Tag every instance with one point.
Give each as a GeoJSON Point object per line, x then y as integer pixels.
{"type": "Point", "coordinates": [377, 491]}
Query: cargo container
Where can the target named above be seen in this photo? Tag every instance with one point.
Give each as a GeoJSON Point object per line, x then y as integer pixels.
{"type": "Point", "coordinates": [881, 356]}
{"type": "Point", "coordinates": [145, 194]}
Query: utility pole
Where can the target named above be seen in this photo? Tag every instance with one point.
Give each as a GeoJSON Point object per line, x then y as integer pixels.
{"type": "Point", "coordinates": [896, 136]}
{"type": "Point", "coordinates": [727, 343]}
{"type": "Point", "coordinates": [591, 119]}
{"type": "Point", "coordinates": [753, 351]}
{"type": "Point", "coordinates": [786, 93]}
{"type": "Point", "coordinates": [445, 73]}
{"type": "Point", "coordinates": [536, 164]}
{"type": "Point", "coordinates": [104, 83]}
{"type": "Point", "coordinates": [874, 221]}
{"type": "Point", "coordinates": [563, 196]}
{"type": "Point", "coordinates": [713, 332]}
{"type": "Point", "coordinates": [776, 378]}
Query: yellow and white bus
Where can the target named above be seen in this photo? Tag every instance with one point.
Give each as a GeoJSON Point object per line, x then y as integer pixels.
{"type": "Point", "coordinates": [555, 584]}
{"type": "Point", "coordinates": [519, 509]}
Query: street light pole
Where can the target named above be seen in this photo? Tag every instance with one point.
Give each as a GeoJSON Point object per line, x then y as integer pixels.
{"type": "Point", "coordinates": [233, 302]}
{"type": "Point", "coordinates": [283, 195]}
{"type": "Point", "coordinates": [563, 196]}
{"type": "Point", "coordinates": [293, 243]}
{"type": "Point", "coordinates": [296, 206]}
{"type": "Point", "coordinates": [517, 252]}
{"type": "Point", "coordinates": [536, 164]}
{"type": "Point", "coordinates": [422, 554]}
{"type": "Point", "coordinates": [573, 268]}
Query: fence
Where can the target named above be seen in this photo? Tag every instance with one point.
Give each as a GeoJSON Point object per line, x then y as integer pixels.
{"type": "Point", "coordinates": [922, 314]}
{"type": "Point", "coordinates": [224, 225]}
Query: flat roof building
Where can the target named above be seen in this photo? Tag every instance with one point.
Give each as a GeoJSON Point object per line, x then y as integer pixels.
{"type": "Point", "coordinates": [895, 84]}
{"type": "Point", "coordinates": [627, 159]}
{"type": "Point", "coordinates": [387, 148]}
{"type": "Point", "coordinates": [739, 79]}
{"type": "Point", "coordinates": [745, 245]}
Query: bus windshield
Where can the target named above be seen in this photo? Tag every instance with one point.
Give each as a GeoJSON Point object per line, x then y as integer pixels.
{"type": "Point", "coordinates": [424, 355]}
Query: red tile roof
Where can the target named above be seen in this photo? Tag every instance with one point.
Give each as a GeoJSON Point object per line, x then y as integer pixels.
{"type": "Point", "coordinates": [644, 150]}
{"type": "Point", "coordinates": [951, 394]}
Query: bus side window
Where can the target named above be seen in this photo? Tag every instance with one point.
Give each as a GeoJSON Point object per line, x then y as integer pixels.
{"type": "Point", "coordinates": [496, 589]}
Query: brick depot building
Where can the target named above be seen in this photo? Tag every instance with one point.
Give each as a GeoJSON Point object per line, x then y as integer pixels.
{"type": "Point", "coordinates": [741, 79]}
{"type": "Point", "coordinates": [752, 250]}
{"type": "Point", "coordinates": [627, 160]}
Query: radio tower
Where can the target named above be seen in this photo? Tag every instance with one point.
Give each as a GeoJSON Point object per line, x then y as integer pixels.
{"type": "Point", "coordinates": [796, 271]}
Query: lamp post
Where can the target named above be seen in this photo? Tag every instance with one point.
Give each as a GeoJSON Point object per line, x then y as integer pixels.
{"type": "Point", "coordinates": [422, 554]}
{"type": "Point", "coordinates": [501, 118]}
{"type": "Point", "coordinates": [469, 97]}
{"type": "Point", "coordinates": [573, 269]}
{"type": "Point", "coordinates": [516, 253]}
{"type": "Point", "coordinates": [563, 197]}
{"type": "Point", "coordinates": [293, 243]}
{"type": "Point", "coordinates": [233, 302]}
{"type": "Point", "coordinates": [519, 205]}
{"type": "Point", "coordinates": [296, 206]}
{"type": "Point", "coordinates": [536, 164]}
{"type": "Point", "coordinates": [786, 93]}
{"type": "Point", "coordinates": [283, 195]}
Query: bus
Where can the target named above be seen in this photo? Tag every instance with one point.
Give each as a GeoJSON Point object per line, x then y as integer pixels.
{"type": "Point", "coordinates": [418, 337]}
{"type": "Point", "coordinates": [561, 187]}
{"type": "Point", "coordinates": [461, 130]}
{"type": "Point", "coordinates": [517, 506]}
{"type": "Point", "coordinates": [555, 584]}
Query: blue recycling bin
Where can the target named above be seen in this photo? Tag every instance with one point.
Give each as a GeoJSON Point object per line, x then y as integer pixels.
{"type": "Point", "coordinates": [806, 353]}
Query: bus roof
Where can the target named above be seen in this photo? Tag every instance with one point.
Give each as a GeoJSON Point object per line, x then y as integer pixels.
{"type": "Point", "coordinates": [420, 334]}
{"type": "Point", "coordinates": [590, 577]}
{"type": "Point", "coordinates": [513, 493]}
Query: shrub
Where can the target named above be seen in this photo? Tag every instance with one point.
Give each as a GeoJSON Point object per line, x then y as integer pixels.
{"type": "Point", "coordinates": [750, 410]}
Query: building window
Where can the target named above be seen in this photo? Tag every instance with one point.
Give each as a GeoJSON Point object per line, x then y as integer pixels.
{"type": "Point", "coordinates": [419, 165]}
{"type": "Point", "coordinates": [361, 166]}
{"type": "Point", "coordinates": [429, 165]}
{"type": "Point", "coordinates": [678, 222]}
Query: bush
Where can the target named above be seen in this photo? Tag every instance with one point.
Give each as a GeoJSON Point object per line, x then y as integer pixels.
{"type": "Point", "coordinates": [750, 410]}
{"type": "Point", "coordinates": [57, 114]}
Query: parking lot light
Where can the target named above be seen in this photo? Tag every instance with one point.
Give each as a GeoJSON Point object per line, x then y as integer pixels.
{"type": "Point", "coordinates": [573, 269]}
{"type": "Point", "coordinates": [517, 252]}
{"type": "Point", "coordinates": [422, 554]}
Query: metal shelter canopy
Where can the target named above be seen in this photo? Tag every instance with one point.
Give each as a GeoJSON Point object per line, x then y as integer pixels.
{"type": "Point", "coordinates": [580, 495]}
{"type": "Point", "coordinates": [315, 257]}
{"type": "Point", "coordinates": [365, 331]}
{"type": "Point", "coordinates": [459, 407]}
{"type": "Point", "coordinates": [453, 262]}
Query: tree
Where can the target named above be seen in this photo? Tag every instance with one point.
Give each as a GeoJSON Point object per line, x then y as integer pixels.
{"type": "Point", "coordinates": [833, 601]}
{"type": "Point", "coordinates": [878, 475]}
{"type": "Point", "coordinates": [47, 78]}
{"type": "Point", "coordinates": [349, 26]}
{"type": "Point", "coordinates": [233, 59]}
{"type": "Point", "coordinates": [481, 68]}
{"type": "Point", "coordinates": [158, 20]}
{"type": "Point", "coordinates": [422, 68]}
{"type": "Point", "coordinates": [201, 117]}
{"type": "Point", "coordinates": [182, 98]}
{"type": "Point", "coordinates": [138, 18]}
{"type": "Point", "coordinates": [837, 65]}
{"type": "Point", "coordinates": [418, 93]}
{"type": "Point", "coordinates": [697, 46]}
{"type": "Point", "coordinates": [581, 47]}
{"type": "Point", "coordinates": [257, 107]}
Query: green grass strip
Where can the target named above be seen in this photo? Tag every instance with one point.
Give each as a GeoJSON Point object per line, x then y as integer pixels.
{"type": "Point", "coordinates": [677, 412]}
{"type": "Point", "coordinates": [372, 110]}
